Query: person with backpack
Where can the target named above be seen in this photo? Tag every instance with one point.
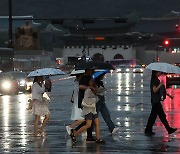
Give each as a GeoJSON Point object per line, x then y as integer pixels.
{"type": "Point", "coordinates": [157, 109]}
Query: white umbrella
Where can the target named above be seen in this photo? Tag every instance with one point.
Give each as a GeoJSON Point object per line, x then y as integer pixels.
{"type": "Point", "coordinates": [74, 72]}
{"type": "Point", "coordinates": [164, 67]}
{"type": "Point", "coordinates": [46, 72]}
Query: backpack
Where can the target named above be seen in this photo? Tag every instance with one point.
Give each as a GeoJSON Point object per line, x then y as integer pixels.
{"type": "Point", "coordinates": [162, 93]}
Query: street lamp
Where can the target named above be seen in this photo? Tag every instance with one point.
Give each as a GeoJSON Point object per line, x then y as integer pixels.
{"type": "Point", "coordinates": [85, 21]}
{"type": "Point", "coordinates": [10, 43]}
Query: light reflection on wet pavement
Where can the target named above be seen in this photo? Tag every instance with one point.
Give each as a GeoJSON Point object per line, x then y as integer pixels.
{"type": "Point", "coordinates": [128, 99]}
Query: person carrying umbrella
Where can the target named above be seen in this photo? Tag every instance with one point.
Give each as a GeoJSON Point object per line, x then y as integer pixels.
{"type": "Point", "coordinates": [76, 113]}
{"type": "Point", "coordinates": [83, 85]}
{"type": "Point", "coordinates": [157, 108]}
{"type": "Point", "coordinates": [89, 112]}
{"type": "Point", "coordinates": [39, 106]}
{"type": "Point", "coordinates": [101, 105]}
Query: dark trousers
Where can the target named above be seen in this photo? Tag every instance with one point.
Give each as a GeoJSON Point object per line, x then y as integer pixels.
{"type": "Point", "coordinates": [157, 109]}
{"type": "Point", "coordinates": [89, 130]}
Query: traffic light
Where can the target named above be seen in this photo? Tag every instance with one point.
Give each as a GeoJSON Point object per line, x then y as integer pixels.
{"type": "Point", "coordinates": [166, 42]}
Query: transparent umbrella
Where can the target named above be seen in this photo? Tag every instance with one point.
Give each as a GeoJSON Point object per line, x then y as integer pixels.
{"type": "Point", "coordinates": [164, 67]}
{"type": "Point", "coordinates": [46, 72]}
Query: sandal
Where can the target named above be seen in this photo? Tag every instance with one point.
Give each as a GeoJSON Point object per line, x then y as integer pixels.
{"type": "Point", "coordinates": [72, 136]}
{"type": "Point", "coordinates": [42, 134]}
{"type": "Point", "coordinates": [37, 135]}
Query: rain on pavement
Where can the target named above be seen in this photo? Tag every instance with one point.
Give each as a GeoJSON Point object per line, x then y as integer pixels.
{"type": "Point", "coordinates": [128, 99]}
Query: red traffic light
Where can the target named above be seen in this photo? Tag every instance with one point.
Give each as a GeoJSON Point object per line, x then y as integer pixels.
{"type": "Point", "coordinates": [166, 42]}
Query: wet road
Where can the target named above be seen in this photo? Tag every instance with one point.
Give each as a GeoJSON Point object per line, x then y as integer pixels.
{"type": "Point", "coordinates": [128, 99]}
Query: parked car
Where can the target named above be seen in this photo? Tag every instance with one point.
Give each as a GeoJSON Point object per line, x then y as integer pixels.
{"type": "Point", "coordinates": [123, 69]}
{"type": "Point", "coordinates": [138, 69]}
{"type": "Point", "coordinates": [8, 84]}
{"type": "Point", "coordinates": [173, 79]}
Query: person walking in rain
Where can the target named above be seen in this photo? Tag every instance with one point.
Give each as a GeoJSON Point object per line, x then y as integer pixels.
{"type": "Point", "coordinates": [83, 85]}
{"type": "Point", "coordinates": [76, 113]}
{"type": "Point", "coordinates": [89, 113]}
{"type": "Point", "coordinates": [101, 105]}
{"type": "Point", "coordinates": [39, 106]}
{"type": "Point", "coordinates": [157, 108]}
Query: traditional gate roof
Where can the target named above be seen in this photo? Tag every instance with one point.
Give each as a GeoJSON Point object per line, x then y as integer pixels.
{"type": "Point", "coordinates": [157, 25]}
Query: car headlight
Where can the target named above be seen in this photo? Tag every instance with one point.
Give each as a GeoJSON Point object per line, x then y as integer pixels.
{"type": "Point", "coordinates": [6, 85]}
{"type": "Point", "coordinates": [127, 70]}
{"type": "Point", "coordinates": [22, 82]}
{"type": "Point", "coordinates": [118, 70]}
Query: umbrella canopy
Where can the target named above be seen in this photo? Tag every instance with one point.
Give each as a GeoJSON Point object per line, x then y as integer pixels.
{"type": "Point", "coordinates": [93, 65]}
{"type": "Point", "coordinates": [75, 72]}
{"type": "Point", "coordinates": [45, 72]}
{"type": "Point", "coordinates": [97, 74]}
{"type": "Point", "coordinates": [164, 67]}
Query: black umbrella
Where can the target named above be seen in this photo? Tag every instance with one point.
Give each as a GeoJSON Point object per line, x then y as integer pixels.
{"type": "Point", "coordinates": [93, 65]}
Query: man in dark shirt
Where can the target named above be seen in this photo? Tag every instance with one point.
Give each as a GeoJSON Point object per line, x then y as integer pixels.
{"type": "Point", "coordinates": [157, 109]}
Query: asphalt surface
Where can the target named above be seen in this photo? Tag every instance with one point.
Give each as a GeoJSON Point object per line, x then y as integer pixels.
{"type": "Point", "coordinates": [128, 99]}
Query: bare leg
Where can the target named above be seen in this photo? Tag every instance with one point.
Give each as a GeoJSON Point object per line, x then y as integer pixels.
{"type": "Point", "coordinates": [83, 128]}
{"type": "Point", "coordinates": [30, 105]}
{"type": "Point", "coordinates": [37, 118]}
{"type": "Point", "coordinates": [96, 121]}
{"type": "Point", "coordinates": [76, 122]}
{"type": "Point", "coordinates": [45, 121]}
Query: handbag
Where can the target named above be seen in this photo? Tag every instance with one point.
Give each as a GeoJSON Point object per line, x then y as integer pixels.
{"type": "Point", "coordinates": [162, 93]}
{"type": "Point", "coordinates": [89, 102]}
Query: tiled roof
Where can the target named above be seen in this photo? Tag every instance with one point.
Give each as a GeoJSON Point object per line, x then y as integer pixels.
{"type": "Point", "coordinates": [156, 25]}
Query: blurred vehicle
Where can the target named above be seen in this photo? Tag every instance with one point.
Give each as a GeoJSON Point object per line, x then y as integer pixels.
{"type": "Point", "coordinates": [29, 83]}
{"type": "Point", "coordinates": [8, 84]}
{"type": "Point", "coordinates": [138, 69]}
{"type": "Point", "coordinates": [173, 79]}
{"type": "Point", "coordinates": [123, 69]}
{"type": "Point", "coordinates": [24, 84]}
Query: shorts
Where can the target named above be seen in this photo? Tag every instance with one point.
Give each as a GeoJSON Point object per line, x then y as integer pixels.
{"type": "Point", "coordinates": [91, 116]}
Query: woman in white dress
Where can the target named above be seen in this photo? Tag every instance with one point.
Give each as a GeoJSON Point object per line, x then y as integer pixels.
{"type": "Point", "coordinates": [76, 113]}
{"type": "Point", "coordinates": [40, 106]}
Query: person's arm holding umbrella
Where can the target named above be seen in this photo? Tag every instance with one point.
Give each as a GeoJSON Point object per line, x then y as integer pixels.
{"type": "Point", "coordinates": [156, 88]}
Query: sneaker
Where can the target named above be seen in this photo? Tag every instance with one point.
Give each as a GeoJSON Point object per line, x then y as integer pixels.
{"type": "Point", "coordinates": [149, 133]}
{"type": "Point", "coordinates": [99, 141]}
{"type": "Point", "coordinates": [115, 130]}
{"type": "Point", "coordinates": [172, 130]}
{"type": "Point", "coordinates": [90, 140]}
{"type": "Point", "coordinates": [68, 128]}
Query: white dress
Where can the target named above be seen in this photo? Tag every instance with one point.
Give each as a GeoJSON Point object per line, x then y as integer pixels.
{"type": "Point", "coordinates": [76, 113]}
{"type": "Point", "coordinates": [40, 106]}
